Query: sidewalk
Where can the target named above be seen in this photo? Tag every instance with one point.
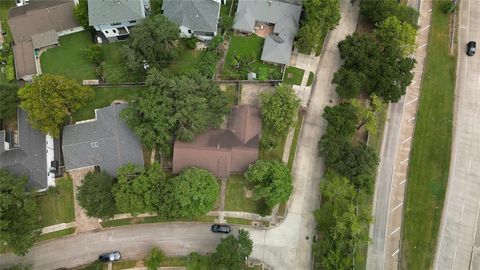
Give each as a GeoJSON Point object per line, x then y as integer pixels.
{"type": "Point", "coordinates": [58, 227]}
{"type": "Point", "coordinates": [308, 63]}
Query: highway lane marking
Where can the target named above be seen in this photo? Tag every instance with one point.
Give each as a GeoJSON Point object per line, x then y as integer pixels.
{"type": "Point", "coordinates": [425, 27]}
{"type": "Point", "coordinates": [403, 182]}
{"type": "Point", "coordinates": [407, 139]}
{"type": "Point", "coordinates": [395, 253]}
{"type": "Point", "coordinates": [415, 99]}
{"type": "Point", "coordinates": [469, 164]}
{"type": "Point", "coordinates": [421, 46]}
{"type": "Point", "coordinates": [396, 230]}
{"type": "Point", "coordinates": [404, 161]}
{"type": "Point", "coordinates": [454, 256]}
{"type": "Point", "coordinates": [476, 223]}
{"type": "Point", "coordinates": [461, 213]}
{"type": "Point", "coordinates": [411, 119]}
{"type": "Point", "coordinates": [396, 207]}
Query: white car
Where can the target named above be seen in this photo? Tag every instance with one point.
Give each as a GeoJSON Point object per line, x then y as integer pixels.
{"type": "Point", "coordinates": [20, 3]}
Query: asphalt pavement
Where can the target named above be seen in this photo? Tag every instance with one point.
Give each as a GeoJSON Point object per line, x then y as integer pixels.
{"type": "Point", "coordinates": [459, 239]}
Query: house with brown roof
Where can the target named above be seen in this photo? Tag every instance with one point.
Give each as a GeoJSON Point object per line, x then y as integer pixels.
{"type": "Point", "coordinates": [223, 151]}
{"type": "Point", "coordinates": [35, 26]}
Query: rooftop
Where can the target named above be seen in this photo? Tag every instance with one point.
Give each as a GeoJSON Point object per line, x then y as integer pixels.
{"type": "Point", "coordinates": [114, 11]}
{"type": "Point", "coordinates": [197, 15]}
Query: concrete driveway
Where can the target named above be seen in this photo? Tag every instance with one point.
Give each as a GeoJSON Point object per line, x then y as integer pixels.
{"type": "Point", "coordinates": [459, 239]}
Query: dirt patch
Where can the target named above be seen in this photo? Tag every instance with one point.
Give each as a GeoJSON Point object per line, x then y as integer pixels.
{"type": "Point", "coordinates": [251, 93]}
{"type": "Point", "coordinates": [247, 193]}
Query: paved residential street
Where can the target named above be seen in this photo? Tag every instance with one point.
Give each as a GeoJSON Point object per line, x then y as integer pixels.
{"type": "Point", "coordinates": [459, 239]}
{"type": "Point", "coordinates": [284, 247]}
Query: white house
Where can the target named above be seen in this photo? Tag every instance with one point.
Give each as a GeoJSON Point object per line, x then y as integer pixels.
{"type": "Point", "coordinates": [114, 17]}
{"type": "Point", "coordinates": [197, 18]}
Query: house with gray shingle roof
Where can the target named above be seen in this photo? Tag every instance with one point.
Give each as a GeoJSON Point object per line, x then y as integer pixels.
{"type": "Point", "coordinates": [30, 153]}
{"type": "Point", "coordinates": [113, 18]}
{"type": "Point", "coordinates": [282, 16]}
{"type": "Point", "coordinates": [105, 141]}
{"type": "Point", "coordinates": [197, 18]}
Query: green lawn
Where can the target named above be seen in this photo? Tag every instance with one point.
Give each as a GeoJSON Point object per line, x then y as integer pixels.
{"type": "Point", "coordinates": [293, 75]}
{"type": "Point", "coordinates": [187, 61]}
{"type": "Point", "coordinates": [272, 145]}
{"type": "Point", "coordinates": [154, 219]}
{"type": "Point", "coordinates": [244, 48]}
{"type": "Point", "coordinates": [53, 235]}
{"type": "Point", "coordinates": [56, 204]}
{"type": "Point", "coordinates": [104, 97]}
{"type": "Point", "coordinates": [115, 68]}
{"type": "Point", "coordinates": [311, 76]}
{"type": "Point", "coordinates": [430, 158]}
{"type": "Point", "coordinates": [235, 199]}
{"type": "Point", "coordinates": [69, 58]}
{"type": "Point", "coordinates": [232, 95]}
{"type": "Point", "coordinates": [239, 221]}
{"type": "Point", "coordinates": [296, 134]}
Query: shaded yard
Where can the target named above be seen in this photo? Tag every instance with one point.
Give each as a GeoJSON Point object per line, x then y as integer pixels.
{"type": "Point", "coordinates": [104, 97]}
{"type": "Point", "coordinates": [293, 75]}
{"type": "Point", "coordinates": [247, 51]}
{"type": "Point", "coordinates": [115, 67]}
{"type": "Point", "coordinates": [272, 144]}
{"type": "Point", "coordinates": [56, 204]}
{"type": "Point", "coordinates": [187, 61]}
{"type": "Point", "coordinates": [235, 199]}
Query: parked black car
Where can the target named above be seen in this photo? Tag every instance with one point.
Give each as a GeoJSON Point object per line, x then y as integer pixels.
{"type": "Point", "coordinates": [471, 48]}
{"type": "Point", "coordinates": [221, 228]}
{"type": "Point", "coordinates": [110, 257]}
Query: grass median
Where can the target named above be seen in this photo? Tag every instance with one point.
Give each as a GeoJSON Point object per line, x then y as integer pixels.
{"type": "Point", "coordinates": [430, 158]}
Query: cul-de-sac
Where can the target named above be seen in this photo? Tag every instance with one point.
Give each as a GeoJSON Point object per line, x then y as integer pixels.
{"type": "Point", "coordinates": [239, 134]}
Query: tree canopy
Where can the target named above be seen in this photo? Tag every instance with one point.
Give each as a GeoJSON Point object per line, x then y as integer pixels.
{"type": "Point", "coordinates": [95, 195]}
{"type": "Point", "coordinates": [280, 108]}
{"type": "Point", "coordinates": [272, 180]}
{"type": "Point", "coordinates": [18, 213]}
{"type": "Point", "coordinates": [138, 189]}
{"type": "Point", "coordinates": [174, 107]}
{"type": "Point", "coordinates": [154, 42]}
{"type": "Point", "coordinates": [50, 101]}
{"type": "Point", "coordinates": [8, 99]}
{"type": "Point", "coordinates": [190, 194]}
{"type": "Point", "coordinates": [342, 119]}
{"type": "Point", "coordinates": [320, 17]}
{"type": "Point", "coordinates": [367, 112]}
{"type": "Point", "coordinates": [344, 229]}
{"type": "Point", "coordinates": [396, 35]}
{"type": "Point", "coordinates": [383, 70]}
{"type": "Point", "coordinates": [232, 252]}
{"type": "Point", "coordinates": [379, 10]}
{"type": "Point", "coordinates": [80, 11]}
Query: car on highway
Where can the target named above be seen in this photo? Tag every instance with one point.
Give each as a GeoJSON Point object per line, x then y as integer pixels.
{"type": "Point", "coordinates": [471, 48]}
{"type": "Point", "coordinates": [221, 228]}
{"type": "Point", "coordinates": [110, 256]}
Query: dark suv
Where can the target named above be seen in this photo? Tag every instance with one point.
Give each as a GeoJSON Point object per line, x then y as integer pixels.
{"type": "Point", "coordinates": [221, 228]}
{"type": "Point", "coordinates": [471, 48]}
{"type": "Point", "coordinates": [110, 257]}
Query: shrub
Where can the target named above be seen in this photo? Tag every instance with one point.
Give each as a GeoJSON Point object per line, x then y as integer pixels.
{"type": "Point", "coordinates": [95, 54]}
{"type": "Point", "coordinates": [191, 43]}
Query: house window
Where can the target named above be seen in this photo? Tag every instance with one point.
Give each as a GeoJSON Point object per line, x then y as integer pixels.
{"type": "Point", "coordinates": [132, 21]}
{"type": "Point", "coordinates": [106, 31]}
{"type": "Point", "coordinates": [114, 31]}
{"type": "Point", "coordinates": [189, 31]}
{"type": "Point", "coordinates": [94, 145]}
{"type": "Point", "coordinates": [117, 23]}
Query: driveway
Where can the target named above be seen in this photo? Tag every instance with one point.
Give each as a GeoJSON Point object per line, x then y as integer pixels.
{"type": "Point", "coordinates": [459, 239]}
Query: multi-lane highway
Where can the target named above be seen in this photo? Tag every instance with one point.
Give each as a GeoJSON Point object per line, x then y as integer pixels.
{"type": "Point", "coordinates": [459, 238]}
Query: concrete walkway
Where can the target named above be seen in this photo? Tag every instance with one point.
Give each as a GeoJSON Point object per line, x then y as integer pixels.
{"type": "Point", "coordinates": [308, 63]}
{"type": "Point", "coordinates": [286, 246]}
{"type": "Point", "coordinates": [58, 227]}
{"type": "Point", "coordinates": [384, 251]}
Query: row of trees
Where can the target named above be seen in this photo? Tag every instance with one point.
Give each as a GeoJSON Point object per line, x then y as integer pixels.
{"type": "Point", "coordinates": [138, 190]}
{"type": "Point", "coordinates": [380, 65]}
{"type": "Point", "coordinates": [320, 16]}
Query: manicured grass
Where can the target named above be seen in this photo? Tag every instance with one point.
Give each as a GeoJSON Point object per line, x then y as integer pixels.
{"type": "Point", "coordinates": [104, 97]}
{"type": "Point", "coordinates": [235, 199]}
{"type": "Point", "coordinates": [239, 221]}
{"type": "Point", "coordinates": [293, 75]}
{"type": "Point", "coordinates": [115, 67]}
{"type": "Point", "coordinates": [311, 76]}
{"type": "Point", "coordinates": [296, 134]}
{"type": "Point", "coordinates": [69, 58]}
{"type": "Point", "coordinates": [56, 204]}
{"type": "Point", "coordinates": [53, 235]}
{"type": "Point", "coordinates": [272, 144]}
{"type": "Point", "coordinates": [187, 61]}
{"type": "Point", "coordinates": [430, 158]}
{"type": "Point", "coordinates": [154, 219]}
{"type": "Point", "coordinates": [244, 48]}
